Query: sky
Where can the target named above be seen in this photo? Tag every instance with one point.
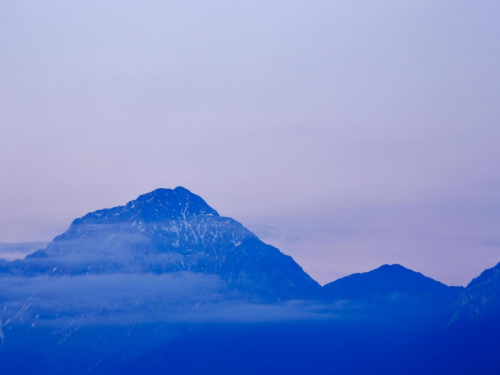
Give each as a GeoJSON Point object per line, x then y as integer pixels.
{"type": "Point", "coordinates": [348, 134]}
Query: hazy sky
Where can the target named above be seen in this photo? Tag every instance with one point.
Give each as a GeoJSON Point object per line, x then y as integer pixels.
{"type": "Point", "coordinates": [349, 134]}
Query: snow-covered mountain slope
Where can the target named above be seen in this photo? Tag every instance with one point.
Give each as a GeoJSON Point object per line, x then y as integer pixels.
{"type": "Point", "coordinates": [168, 231]}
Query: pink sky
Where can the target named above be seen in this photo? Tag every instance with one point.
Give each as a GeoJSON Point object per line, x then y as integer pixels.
{"type": "Point", "coordinates": [349, 135]}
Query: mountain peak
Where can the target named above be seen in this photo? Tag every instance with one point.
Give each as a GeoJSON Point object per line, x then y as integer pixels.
{"type": "Point", "coordinates": [156, 206]}
{"type": "Point", "coordinates": [179, 201]}
{"type": "Point", "coordinates": [161, 192]}
{"type": "Point", "coordinates": [165, 231]}
{"type": "Point", "coordinates": [392, 268]}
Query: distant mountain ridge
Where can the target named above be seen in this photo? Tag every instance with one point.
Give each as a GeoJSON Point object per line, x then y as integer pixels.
{"type": "Point", "coordinates": [396, 295]}
{"type": "Point", "coordinates": [391, 281]}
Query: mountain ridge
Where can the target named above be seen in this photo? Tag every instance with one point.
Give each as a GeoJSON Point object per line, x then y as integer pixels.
{"type": "Point", "coordinates": [393, 278]}
{"type": "Point", "coordinates": [169, 230]}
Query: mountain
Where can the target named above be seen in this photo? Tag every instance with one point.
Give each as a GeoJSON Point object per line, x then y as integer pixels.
{"type": "Point", "coordinates": [148, 286]}
{"type": "Point", "coordinates": [388, 281]}
{"type": "Point", "coordinates": [481, 298]}
{"type": "Point", "coordinates": [380, 317]}
{"type": "Point", "coordinates": [169, 231]}
{"type": "Point", "coordinates": [396, 296]}
{"type": "Point", "coordinates": [466, 343]}
{"type": "Point", "coordinates": [469, 343]}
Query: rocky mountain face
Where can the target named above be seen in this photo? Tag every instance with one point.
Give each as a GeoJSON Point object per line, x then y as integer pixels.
{"type": "Point", "coordinates": [481, 298]}
{"type": "Point", "coordinates": [169, 231]}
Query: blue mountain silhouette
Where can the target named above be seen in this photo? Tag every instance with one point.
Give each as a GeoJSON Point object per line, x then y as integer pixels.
{"type": "Point", "coordinates": [169, 231]}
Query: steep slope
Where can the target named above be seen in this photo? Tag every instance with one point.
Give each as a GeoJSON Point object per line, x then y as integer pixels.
{"type": "Point", "coordinates": [481, 298]}
{"type": "Point", "coordinates": [169, 231]}
{"type": "Point", "coordinates": [467, 343]}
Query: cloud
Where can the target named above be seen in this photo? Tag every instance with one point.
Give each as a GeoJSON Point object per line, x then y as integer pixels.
{"type": "Point", "coordinates": [123, 299]}
{"type": "Point", "coordinates": [493, 242]}
{"type": "Point", "coordinates": [12, 251]}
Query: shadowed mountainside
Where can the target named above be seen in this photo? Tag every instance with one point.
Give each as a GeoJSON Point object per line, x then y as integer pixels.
{"type": "Point", "coordinates": [388, 281]}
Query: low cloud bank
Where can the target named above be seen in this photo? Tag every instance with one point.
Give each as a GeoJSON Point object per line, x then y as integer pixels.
{"type": "Point", "coordinates": [122, 299]}
{"type": "Point", "coordinates": [11, 251]}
